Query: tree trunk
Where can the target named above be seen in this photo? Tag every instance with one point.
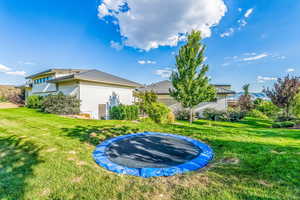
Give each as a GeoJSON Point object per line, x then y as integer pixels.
{"type": "Point", "coordinates": [191, 115]}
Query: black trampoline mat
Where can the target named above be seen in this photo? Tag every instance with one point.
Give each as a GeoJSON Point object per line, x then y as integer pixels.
{"type": "Point", "coordinates": [151, 151]}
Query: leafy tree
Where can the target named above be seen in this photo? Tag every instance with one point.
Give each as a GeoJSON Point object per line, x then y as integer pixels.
{"type": "Point", "coordinates": [191, 85]}
{"type": "Point", "coordinates": [284, 92]}
{"type": "Point", "coordinates": [268, 108]}
{"type": "Point", "coordinates": [245, 101]}
{"type": "Point", "coordinates": [145, 99]}
{"type": "Point", "coordinates": [296, 106]}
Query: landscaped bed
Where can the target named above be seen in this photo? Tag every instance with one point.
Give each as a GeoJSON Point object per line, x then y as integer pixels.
{"type": "Point", "coordinates": [45, 156]}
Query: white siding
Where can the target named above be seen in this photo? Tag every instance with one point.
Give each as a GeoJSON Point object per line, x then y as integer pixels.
{"type": "Point", "coordinates": [220, 104]}
{"type": "Point", "coordinates": [93, 94]}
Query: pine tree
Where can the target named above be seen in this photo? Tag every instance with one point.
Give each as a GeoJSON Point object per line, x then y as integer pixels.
{"type": "Point", "coordinates": [191, 85]}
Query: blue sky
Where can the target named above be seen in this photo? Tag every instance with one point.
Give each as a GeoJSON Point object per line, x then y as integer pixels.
{"type": "Point", "coordinates": [249, 41]}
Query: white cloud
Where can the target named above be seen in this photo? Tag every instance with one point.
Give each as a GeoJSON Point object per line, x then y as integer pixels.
{"type": "Point", "coordinates": [225, 64]}
{"type": "Point", "coordinates": [164, 73]}
{"type": "Point", "coordinates": [227, 33]}
{"type": "Point", "coordinates": [143, 62]}
{"type": "Point", "coordinates": [116, 45]}
{"type": "Point", "coordinates": [142, 29]}
{"type": "Point", "coordinates": [240, 9]}
{"type": "Point", "coordinates": [240, 24]}
{"type": "Point", "coordinates": [4, 68]}
{"type": "Point", "coordinates": [257, 57]}
{"type": "Point", "coordinates": [262, 79]}
{"type": "Point", "coordinates": [9, 71]}
{"type": "Point", "coordinates": [248, 12]}
{"type": "Point", "coordinates": [16, 73]}
{"type": "Point", "coordinates": [290, 70]}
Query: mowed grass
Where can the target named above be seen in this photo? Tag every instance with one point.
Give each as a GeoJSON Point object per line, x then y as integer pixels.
{"type": "Point", "coordinates": [44, 156]}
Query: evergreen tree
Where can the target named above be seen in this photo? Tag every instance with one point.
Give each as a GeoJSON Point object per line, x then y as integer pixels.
{"type": "Point", "coordinates": [191, 85]}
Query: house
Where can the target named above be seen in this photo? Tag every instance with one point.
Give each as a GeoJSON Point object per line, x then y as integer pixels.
{"type": "Point", "coordinates": [224, 92]}
{"type": "Point", "coordinates": [93, 87]}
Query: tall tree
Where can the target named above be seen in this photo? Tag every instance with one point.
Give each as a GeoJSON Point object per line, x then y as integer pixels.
{"type": "Point", "coordinates": [284, 92]}
{"type": "Point", "coordinates": [145, 99]}
{"type": "Point", "coordinates": [245, 101]}
{"type": "Point", "coordinates": [191, 85]}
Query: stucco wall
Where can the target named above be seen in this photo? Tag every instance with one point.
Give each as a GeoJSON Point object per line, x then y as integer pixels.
{"type": "Point", "coordinates": [220, 104]}
{"type": "Point", "coordinates": [69, 88]}
{"type": "Point", "coordinates": [92, 94]}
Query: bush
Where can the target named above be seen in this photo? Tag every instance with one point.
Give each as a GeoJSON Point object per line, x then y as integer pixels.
{"type": "Point", "coordinates": [236, 115]}
{"type": "Point", "coordinates": [34, 102]}
{"type": "Point", "coordinates": [61, 104]}
{"type": "Point", "coordinates": [286, 124]}
{"type": "Point", "coordinates": [170, 118]}
{"type": "Point", "coordinates": [124, 112]}
{"type": "Point", "coordinates": [230, 115]}
{"type": "Point", "coordinates": [215, 115]}
{"type": "Point", "coordinates": [285, 118]}
{"type": "Point", "coordinates": [182, 114]}
{"type": "Point", "coordinates": [257, 114]}
{"type": "Point", "coordinates": [268, 108]}
{"type": "Point", "coordinates": [158, 112]}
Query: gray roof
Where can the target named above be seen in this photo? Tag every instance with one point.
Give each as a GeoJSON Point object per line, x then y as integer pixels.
{"type": "Point", "coordinates": [163, 87]}
{"type": "Point", "coordinates": [97, 76]}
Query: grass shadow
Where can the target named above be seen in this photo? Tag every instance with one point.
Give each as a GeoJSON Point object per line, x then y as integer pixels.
{"type": "Point", "coordinates": [17, 159]}
{"type": "Point", "coordinates": [96, 134]}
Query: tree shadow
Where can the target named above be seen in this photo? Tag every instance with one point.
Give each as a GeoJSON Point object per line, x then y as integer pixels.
{"type": "Point", "coordinates": [256, 123]}
{"type": "Point", "coordinates": [96, 134]}
{"type": "Point", "coordinates": [17, 159]}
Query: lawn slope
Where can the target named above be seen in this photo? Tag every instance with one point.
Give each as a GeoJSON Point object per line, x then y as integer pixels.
{"type": "Point", "coordinates": [44, 156]}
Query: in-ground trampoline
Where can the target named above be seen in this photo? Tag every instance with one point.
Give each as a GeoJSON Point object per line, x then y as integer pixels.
{"type": "Point", "coordinates": [151, 154]}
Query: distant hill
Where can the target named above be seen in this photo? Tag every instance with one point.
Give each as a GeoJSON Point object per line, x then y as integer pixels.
{"type": "Point", "coordinates": [7, 91]}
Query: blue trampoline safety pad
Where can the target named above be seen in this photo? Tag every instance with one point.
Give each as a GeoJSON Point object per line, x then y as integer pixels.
{"type": "Point", "coordinates": [152, 154]}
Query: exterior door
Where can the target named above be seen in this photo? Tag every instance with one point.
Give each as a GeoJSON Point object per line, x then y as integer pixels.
{"type": "Point", "coordinates": [102, 111]}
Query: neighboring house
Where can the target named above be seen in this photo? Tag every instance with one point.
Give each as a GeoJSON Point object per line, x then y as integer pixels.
{"type": "Point", "coordinates": [233, 101]}
{"type": "Point", "coordinates": [162, 91]}
{"type": "Point", "coordinates": [93, 87]}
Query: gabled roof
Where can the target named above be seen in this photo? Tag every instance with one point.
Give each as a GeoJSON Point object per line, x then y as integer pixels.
{"type": "Point", "coordinates": [97, 76]}
{"type": "Point", "coordinates": [163, 87]}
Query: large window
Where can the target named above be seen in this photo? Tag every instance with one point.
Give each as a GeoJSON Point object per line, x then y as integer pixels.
{"type": "Point", "coordinates": [42, 80]}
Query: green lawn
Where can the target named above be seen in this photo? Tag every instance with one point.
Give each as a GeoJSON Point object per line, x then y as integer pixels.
{"type": "Point", "coordinates": [45, 156]}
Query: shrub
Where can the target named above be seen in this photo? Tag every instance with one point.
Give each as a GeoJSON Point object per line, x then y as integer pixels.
{"type": "Point", "coordinates": [182, 114]}
{"type": "Point", "coordinates": [61, 104]}
{"type": "Point", "coordinates": [285, 118]}
{"type": "Point", "coordinates": [16, 98]}
{"type": "Point", "coordinates": [170, 118]}
{"type": "Point", "coordinates": [257, 114]}
{"type": "Point", "coordinates": [236, 115]}
{"type": "Point", "coordinates": [268, 108]}
{"type": "Point", "coordinates": [3, 99]}
{"type": "Point", "coordinates": [124, 112]}
{"type": "Point", "coordinates": [158, 112]}
{"type": "Point", "coordinates": [145, 99]}
{"type": "Point", "coordinates": [286, 124]}
{"type": "Point", "coordinates": [216, 115]}
{"type": "Point", "coordinates": [34, 102]}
